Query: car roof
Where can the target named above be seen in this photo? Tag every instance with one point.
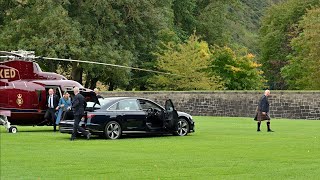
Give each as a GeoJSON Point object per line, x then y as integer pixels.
{"type": "Point", "coordinates": [112, 100]}
{"type": "Point", "coordinates": [119, 98]}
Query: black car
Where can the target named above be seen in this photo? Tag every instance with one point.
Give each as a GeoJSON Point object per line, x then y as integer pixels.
{"type": "Point", "coordinates": [112, 117]}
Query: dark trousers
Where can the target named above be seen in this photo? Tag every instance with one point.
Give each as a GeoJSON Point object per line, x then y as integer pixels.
{"type": "Point", "coordinates": [50, 116]}
{"type": "Point", "coordinates": [76, 127]}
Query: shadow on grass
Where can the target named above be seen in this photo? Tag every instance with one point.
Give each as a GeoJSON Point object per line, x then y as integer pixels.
{"type": "Point", "coordinates": [123, 137]}
{"type": "Point", "coordinates": [36, 130]}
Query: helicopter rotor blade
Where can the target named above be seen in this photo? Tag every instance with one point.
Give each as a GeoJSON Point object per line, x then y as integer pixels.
{"type": "Point", "coordinates": [107, 64]}
{"type": "Point", "coordinates": [6, 56]}
{"type": "Point", "coordinates": [29, 55]}
{"type": "Point", "coordinates": [10, 54]}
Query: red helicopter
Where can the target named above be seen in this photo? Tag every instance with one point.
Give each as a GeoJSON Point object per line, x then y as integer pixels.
{"type": "Point", "coordinates": [24, 87]}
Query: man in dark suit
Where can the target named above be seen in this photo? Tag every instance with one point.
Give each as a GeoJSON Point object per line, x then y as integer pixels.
{"type": "Point", "coordinates": [52, 103]}
{"type": "Point", "coordinates": [78, 105]}
{"type": "Point", "coordinates": [263, 110]}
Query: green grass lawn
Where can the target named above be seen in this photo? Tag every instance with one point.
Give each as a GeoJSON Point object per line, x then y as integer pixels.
{"type": "Point", "coordinates": [221, 148]}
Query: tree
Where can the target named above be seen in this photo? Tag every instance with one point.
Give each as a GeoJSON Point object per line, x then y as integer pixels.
{"type": "Point", "coordinates": [45, 27]}
{"type": "Point", "coordinates": [139, 34]}
{"type": "Point", "coordinates": [278, 29]}
{"type": "Point", "coordinates": [184, 17]}
{"type": "Point", "coordinates": [101, 26]}
{"type": "Point", "coordinates": [302, 72]}
{"type": "Point", "coordinates": [211, 18]}
{"type": "Point", "coordinates": [238, 70]}
{"type": "Point", "coordinates": [122, 32]}
{"type": "Point", "coordinates": [187, 62]}
{"type": "Point", "coordinates": [234, 22]}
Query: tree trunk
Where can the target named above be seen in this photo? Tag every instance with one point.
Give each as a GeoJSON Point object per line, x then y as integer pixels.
{"type": "Point", "coordinates": [111, 86]}
{"type": "Point", "coordinates": [76, 72]}
{"type": "Point", "coordinates": [93, 83]}
{"type": "Point", "coordinates": [88, 78]}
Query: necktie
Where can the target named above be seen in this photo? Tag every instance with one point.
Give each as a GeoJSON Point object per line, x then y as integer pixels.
{"type": "Point", "coordinates": [51, 106]}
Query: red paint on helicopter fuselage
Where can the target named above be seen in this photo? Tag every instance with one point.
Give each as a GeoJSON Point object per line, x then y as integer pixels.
{"type": "Point", "coordinates": [23, 90]}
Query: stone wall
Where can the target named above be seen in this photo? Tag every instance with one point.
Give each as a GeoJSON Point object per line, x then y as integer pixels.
{"type": "Point", "coordinates": [283, 104]}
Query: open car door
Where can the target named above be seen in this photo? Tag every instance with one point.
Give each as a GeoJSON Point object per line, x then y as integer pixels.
{"type": "Point", "coordinates": [171, 116]}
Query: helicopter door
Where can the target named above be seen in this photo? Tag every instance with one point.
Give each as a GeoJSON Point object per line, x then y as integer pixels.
{"type": "Point", "coordinates": [171, 115]}
{"type": "Point", "coordinates": [56, 89]}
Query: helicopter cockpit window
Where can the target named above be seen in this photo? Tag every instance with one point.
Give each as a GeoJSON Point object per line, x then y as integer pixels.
{"type": "Point", "coordinates": [37, 67]}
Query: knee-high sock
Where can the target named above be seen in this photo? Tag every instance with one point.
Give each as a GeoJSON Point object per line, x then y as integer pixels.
{"type": "Point", "coordinates": [268, 125]}
{"type": "Point", "coordinates": [259, 123]}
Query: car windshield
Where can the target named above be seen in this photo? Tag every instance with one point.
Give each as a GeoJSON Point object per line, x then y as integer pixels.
{"type": "Point", "coordinates": [97, 106]}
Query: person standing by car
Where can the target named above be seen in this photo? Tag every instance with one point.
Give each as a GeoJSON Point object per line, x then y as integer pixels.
{"type": "Point", "coordinates": [52, 103]}
{"type": "Point", "coordinates": [78, 105]}
{"type": "Point", "coordinates": [263, 111]}
{"type": "Point", "coordinates": [63, 106]}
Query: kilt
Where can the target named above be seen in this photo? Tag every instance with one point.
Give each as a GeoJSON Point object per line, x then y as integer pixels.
{"type": "Point", "coordinates": [261, 117]}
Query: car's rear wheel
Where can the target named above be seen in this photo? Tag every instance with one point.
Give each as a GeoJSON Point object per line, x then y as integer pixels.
{"type": "Point", "coordinates": [113, 130]}
{"type": "Point", "coordinates": [182, 127]}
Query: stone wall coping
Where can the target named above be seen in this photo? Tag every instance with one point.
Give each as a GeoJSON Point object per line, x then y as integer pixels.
{"type": "Point", "coordinates": [212, 92]}
{"type": "Point", "coordinates": [283, 104]}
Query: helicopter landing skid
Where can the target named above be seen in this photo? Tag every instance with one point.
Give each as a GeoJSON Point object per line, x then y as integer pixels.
{"type": "Point", "coordinates": [4, 121]}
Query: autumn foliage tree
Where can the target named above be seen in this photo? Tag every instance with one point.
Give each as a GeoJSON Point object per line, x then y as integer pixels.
{"type": "Point", "coordinates": [238, 69]}
{"type": "Point", "coordinates": [187, 62]}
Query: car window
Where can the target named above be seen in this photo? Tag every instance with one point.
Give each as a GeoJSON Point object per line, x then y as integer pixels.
{"type": "Point", "coordinates": [126, 105]}
{"type": "Point", "coordinates": [114, 107]}
{"type": "Point", "coordinates": [145, 104]}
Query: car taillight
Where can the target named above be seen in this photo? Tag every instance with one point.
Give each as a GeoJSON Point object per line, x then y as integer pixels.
{"type": "Point", "coordinates": [89, 116]}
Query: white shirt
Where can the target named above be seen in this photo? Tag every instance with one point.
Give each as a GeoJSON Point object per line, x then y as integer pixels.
{"type": "Point", "coordinates": [50, 103]}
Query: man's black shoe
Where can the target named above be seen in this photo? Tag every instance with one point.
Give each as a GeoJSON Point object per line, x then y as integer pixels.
{"type": "Point", "coordinates": [270, 130]}
{"type": "Point", "coordinates": [88, 136]}
{"type": "Point", "coordinates": [72, 139]}
{"type": "Point", "coordinates": [258, 130]}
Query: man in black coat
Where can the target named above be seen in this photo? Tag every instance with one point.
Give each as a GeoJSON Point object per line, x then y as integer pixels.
{"type": "Point", "coordinates": [263, 110]}
{"type": "Point", "coordinates": [52, 103]}
{"type": "Point", "coordinates": [78, 105]}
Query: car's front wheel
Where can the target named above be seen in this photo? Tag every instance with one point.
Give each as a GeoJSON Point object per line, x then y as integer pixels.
{"type": "Point", "coordinates": [182, 127]}
{"type": "Point", "coordinates": [113, 130]}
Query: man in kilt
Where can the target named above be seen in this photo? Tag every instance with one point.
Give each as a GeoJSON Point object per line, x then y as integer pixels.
{"type": "Point", "coordinates": [263, 111]}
